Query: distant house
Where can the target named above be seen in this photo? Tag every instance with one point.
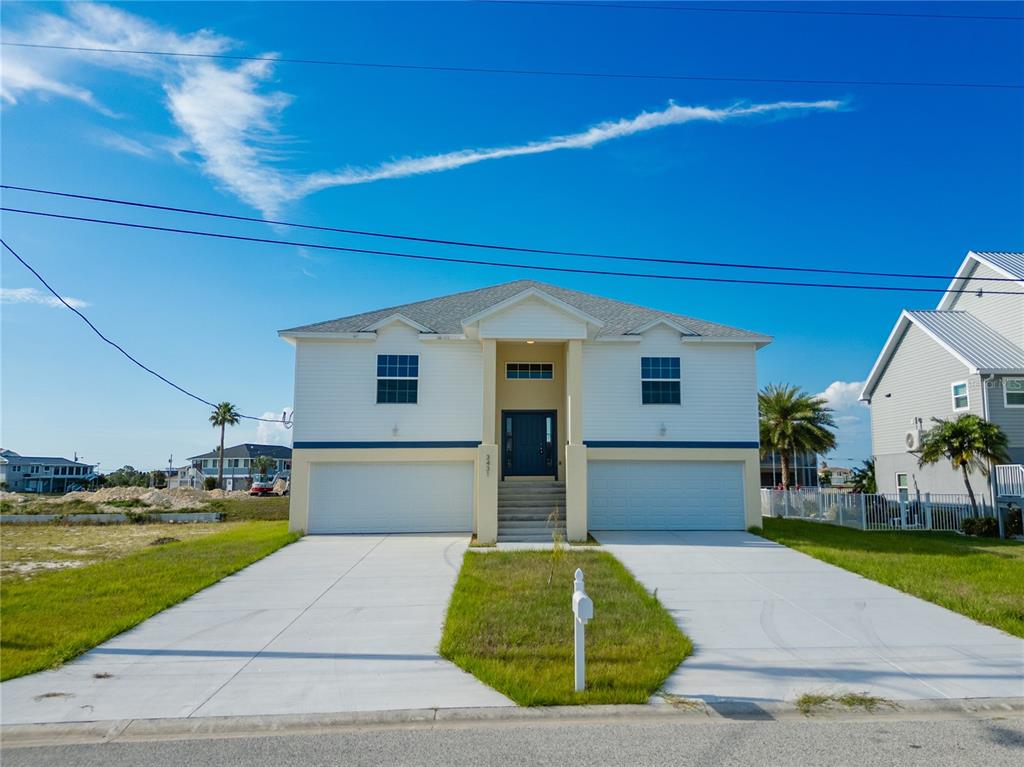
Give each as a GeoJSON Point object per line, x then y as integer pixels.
{"type": "Point", "coordinates": [803, 470]}
{"type": "Point", "coordinates": [964, 356]}
{"type": "Point", "coordinates": [838, 476]}
{"type": "Point", "coordinates": [38, 474]}
{"type": "Point", "coordinates": [238, 465]}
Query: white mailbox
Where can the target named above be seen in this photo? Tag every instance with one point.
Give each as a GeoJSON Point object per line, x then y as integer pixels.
{"type": "Point", "coordinates": [582, 611]}
{"type": "Point", "coordinates": [582, 606]}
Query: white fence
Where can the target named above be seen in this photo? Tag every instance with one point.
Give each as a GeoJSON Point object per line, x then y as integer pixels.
{"type": "Point", "coordinates": [1010, 480]}
{"type": "Point", "coordinates": [929, 511]}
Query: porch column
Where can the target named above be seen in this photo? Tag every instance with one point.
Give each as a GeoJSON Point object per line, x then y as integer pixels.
{"type": "Point", "coordinates": [298, 492]}
{"type": "Point", "coordinates": [575, 450]}
{"type": "Point", "coordinates": [487, 453]}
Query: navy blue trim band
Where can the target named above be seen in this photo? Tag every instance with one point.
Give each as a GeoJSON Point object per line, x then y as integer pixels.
{"type": "Point", "coordinates": [371, 445]}
{"type": "Point", "coordinates": [663, 443]}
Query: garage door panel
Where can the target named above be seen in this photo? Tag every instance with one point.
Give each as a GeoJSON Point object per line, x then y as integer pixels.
{"type": "Point", "coordinates": [416, 497]}
{"type": "Point", "coordinates": [665, 495]}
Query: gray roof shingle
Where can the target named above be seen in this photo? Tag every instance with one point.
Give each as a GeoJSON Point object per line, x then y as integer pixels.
{"type": "Point", "coordinates": [446, 313]}
{"type": "Point", "coordinates": [972, 339]}
{"type": "Point", "coordinates": [248, 450]}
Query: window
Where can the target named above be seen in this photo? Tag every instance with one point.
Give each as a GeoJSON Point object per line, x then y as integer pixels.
{"type": "Point", "coordinates": [902, 486]}
{"type": "Point", "coordinates": [1013, 392]}
{"type": "Point", "coordinates": [960, 399]}
{"type": "Point", "coordinates": [659, 380]}
{"type": "Point", "coordinates": [544, 371]}
{"type": "Point", "coordinates": [398, 378]}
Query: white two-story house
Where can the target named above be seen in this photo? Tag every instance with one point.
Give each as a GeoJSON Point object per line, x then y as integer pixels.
{"type": "Point", "coordinates": [523, 408]}
{"type": "Point", "coordinates": [964, 356]}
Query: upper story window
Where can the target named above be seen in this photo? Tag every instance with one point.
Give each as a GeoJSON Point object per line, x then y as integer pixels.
{"type": "Point", "coordinates": [1013, 392]}
{"type": "Point", "coordinates": [660, 380]}
{"type": "Point", "coordinates": [544, 371]}
{"type": "Point", "coordinates": [961, 400]}
{"type": "Point", "coordinates": [398, 378]}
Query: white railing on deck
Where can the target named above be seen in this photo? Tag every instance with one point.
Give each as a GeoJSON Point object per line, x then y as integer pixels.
{"type": "Point", "coordinates": [871, 511]}
{"type": "Point", "coordinates": [1010, 479]}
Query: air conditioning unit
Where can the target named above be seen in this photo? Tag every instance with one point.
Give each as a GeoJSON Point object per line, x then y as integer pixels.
{"type": "Point", "coordinates": [912, 439]}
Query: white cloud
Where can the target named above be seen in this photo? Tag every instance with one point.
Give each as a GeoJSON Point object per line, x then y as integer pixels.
{"type": "Point", "coordinates": [33, 296]}
{"type": "Point", "coordinates": [274, 433]}
{"type": "Point", "coordinates": [853, 423]}
{"type": "Point", "coordinates": [842, 395]}
{"type": "Point", "coordinates": [125, 144]}
{"type": "Point", "coordinates": [231, 121]}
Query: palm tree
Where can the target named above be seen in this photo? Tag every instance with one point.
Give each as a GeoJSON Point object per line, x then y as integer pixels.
{"type": "Point", "coordinates": [793, 421]}
{"type": "Point", "coordinates": [968, 443]}
{"type": "Point", "coordinates": [262, 464]}
{"type": "Point", "coordinates": [864, 477]}
{"type": "Point", "coordinates": [223, 415]}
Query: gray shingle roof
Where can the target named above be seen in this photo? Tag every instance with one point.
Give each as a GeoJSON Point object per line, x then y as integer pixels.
{"type": "Point", "coordinates": [446, 313]}
{"type": "Point", "coordinates": [248, 450]}
{"type": "Point", "coordinates": [1012, 263]}
{"type": "Point", "coordinates": [972, 339]}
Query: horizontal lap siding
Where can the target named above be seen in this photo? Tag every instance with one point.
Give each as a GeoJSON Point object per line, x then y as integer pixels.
{"type": "Point", "coordinates": [719, 391]}
{"type": "Point", "coordinates": [1004, 314]}
{"type": "Point", "coordinates": [336, 390]}
{"type": "Point", "coordinates": [532, 319]}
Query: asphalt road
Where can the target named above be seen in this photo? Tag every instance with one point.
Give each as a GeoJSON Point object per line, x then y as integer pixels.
{"type": "Point", "coordinates": [884, 742]}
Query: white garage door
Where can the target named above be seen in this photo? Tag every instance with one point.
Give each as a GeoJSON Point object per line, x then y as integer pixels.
{"type": "Point", "coordinates": [390, 497]}
{"type": "Point", "coordinates": [665, 495]}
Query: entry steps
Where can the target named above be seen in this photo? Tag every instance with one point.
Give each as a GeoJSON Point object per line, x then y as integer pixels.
{"type": "Point", "coordinates": [531, 511]}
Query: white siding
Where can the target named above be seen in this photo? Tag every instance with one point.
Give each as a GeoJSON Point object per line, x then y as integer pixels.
{"type": "Point", "coordinates": [1009, 419]}
{"type": "Point", "coordinates": [1004, 314]}
{"type": "Point", "coordinates": [532, 318]}
{"type": "Point", "coordinates": [336, 390]}
{"type": "Point", "coordinates": [665, 495]}
{"type": "Point", "coordinates": [391, 497]}
{"type": "Point", "coordinates": [719, 391]}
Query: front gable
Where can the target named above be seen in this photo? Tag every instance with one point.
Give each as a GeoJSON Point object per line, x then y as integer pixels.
{"type": "Point", "coordinates": [531, 315]}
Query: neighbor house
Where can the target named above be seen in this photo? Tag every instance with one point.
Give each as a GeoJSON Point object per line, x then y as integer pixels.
{"type": "Point", "coordinates": [517, 409]}
{"type": "Point", "coordinates": [803, 469]}
{"type": "Point", "coordinates": [43, 474]}
{"type": "Point", "coordinates": [238, 465]}
{"type": "Point", "coordinates": [965, 356]}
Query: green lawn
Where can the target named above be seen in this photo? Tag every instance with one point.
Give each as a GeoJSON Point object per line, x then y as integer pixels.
{"type": "Point", "coordinates": [510, 624]}
{"type": "Point", "coordinates": [52, 617]}
{"type": "Point", "coordinates": [982, 578]}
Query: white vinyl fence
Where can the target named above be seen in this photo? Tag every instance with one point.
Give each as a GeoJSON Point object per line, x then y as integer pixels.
{"type": "Point", "coordinates": [863, 511]}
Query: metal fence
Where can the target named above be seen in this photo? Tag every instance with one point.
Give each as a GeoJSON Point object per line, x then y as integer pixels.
{"type": "Point", "coordinates": [863, 511]}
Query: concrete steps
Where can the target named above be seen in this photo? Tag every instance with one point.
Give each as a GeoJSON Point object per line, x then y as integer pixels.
{"type": "Point", "coordinates": [531, 511]}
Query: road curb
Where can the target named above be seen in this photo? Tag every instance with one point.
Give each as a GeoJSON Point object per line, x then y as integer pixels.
{"type": "Point", "coordinates": [683, 711]}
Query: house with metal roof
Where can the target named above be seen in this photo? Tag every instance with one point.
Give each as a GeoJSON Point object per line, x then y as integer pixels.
{"type": "Point", "coordinates": [238, 465]}
{"type": "Point", "coordinates": [43, 474]}
{"type": "Point", "coordinates": [964, 356]}
{"type": "Point", "coordinates": [520, 411]}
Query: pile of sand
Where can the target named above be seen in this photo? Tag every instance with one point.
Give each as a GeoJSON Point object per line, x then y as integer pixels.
{"type": "Point", "coordinates": [12, 497]}
{"type": "Point", "coordinates": [170, 500]}
{"type": "Point", "coordinates": [218, 493]}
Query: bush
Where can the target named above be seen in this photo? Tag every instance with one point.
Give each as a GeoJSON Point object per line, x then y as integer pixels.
{"type": "Point", "coordinates": [137, 517]}
{"type": "Point", "coordinates": [983, 527]}
{"type": "Point", "coordinates": [210, 483]}
{"type": "Point", "coordinates": [1014, 524]}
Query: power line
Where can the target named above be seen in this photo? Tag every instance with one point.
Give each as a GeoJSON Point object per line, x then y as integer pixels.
{"type": "Point", "coordinates": [500, 264]}
{"type": "Point", "coordinates": [117, 346]}
{"type": "Point", "coordinates": [506, 71]}
{"type": "Point", "coordinates": [489, 246]}
{"type": "Point", "coordinates": [783, 11]}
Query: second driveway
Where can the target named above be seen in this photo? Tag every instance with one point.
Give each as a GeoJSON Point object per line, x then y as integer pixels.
{"type": "Point", "coordinates": [770, 623]}
{"type": "Point", "coordinates": [329, 623]}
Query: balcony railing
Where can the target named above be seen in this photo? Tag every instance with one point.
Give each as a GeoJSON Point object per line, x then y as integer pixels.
{"type": "Point", "coordinates": [1010, 480]}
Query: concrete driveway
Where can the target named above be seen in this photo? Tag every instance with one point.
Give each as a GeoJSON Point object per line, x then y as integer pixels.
{"type": "Point", "coordinates": [770, 624]}
{"type": "Point", "coordinates": [329, 623]}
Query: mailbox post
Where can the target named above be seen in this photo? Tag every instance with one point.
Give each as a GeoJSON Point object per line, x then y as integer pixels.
{"type": "Point", "coordinates": [582, 611]}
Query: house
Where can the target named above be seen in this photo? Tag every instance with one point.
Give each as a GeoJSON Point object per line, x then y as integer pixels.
{"type": "Point", "coordinates": [515, 409]}
{"type": "Point", "coordinates": [964, 356]}
{"type": "Point", "coordinates": [803, 469]}
{"type": "Point", "coordinates": [38, 474]}
{"type": "Point", "coordinates": [838, 476]}
{"type": "Point", "coordinates": [238, 465]}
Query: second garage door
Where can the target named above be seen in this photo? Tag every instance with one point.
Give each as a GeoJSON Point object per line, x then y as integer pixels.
{"type": "Point", "coordinates": [391, 497]}
{"type": "Point", "coordinates": [665, 495]}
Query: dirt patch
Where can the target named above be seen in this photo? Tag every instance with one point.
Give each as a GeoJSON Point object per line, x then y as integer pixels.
{"type": "Point", "coordinates": [171, 500]}
{"type": "Point", "coordinates": [164, 540]}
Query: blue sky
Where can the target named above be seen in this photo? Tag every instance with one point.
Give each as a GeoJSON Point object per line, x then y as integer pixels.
{"type": "Point", "coordinates": [877, 178]}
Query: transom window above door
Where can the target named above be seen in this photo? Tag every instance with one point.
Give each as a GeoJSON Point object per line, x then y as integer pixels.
{"type": "Point", "coordinates": [543, 371]}
{"type": "Point", "coordinates": [660, 380]}
{"type": "Point", "coordinates": [398, 378]}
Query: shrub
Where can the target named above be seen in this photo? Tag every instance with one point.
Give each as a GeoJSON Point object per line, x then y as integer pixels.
{"type": "Point", "coordinates": [1014, 524]}
{"type": "Point", "coordinates": [210, 483]}
{"type": "Point", "coordinates": [983, 527]}
{"type": "Point", "coordinates": [136, 517]}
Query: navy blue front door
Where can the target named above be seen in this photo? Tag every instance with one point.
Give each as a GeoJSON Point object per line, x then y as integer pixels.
{"type": "Point", "coordinates": [528, 443]}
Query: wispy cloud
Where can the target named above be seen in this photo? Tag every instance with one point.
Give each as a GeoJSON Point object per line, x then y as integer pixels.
{"type": "Point", "coordinates": [125, 144]}
{"type": "Point", "coordinates": [33, 296]}
{"type": "Point", "coordinates": [231, 119]}
{"type": "Point", "coordinates": [853, 432]}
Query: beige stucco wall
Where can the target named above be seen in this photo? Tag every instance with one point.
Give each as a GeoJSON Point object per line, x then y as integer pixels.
{"type": "Point", "coordinates": [532, 394]}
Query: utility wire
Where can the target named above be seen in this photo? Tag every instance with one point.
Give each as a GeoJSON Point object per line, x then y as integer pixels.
{"type": "Point", "coordinates": [117, 346]}
{"type": "Point", "coordinates": [785, 11]}
{"type": "Point", "coordinates": [504, 71]}
{"type": "Point", "coordinates": [488, 246]}
{"type": "Point", "coordinates": [501, 264]}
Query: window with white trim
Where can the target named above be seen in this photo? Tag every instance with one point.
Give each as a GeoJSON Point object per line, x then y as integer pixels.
{"type": "Point", "coordinates": [538, 371]}
{"type": "Point", "coordinates": [660, 381]}
{"type": "Point", "coordinates": [902, 486]}
{"type": "Point", "coordinates": [961, 399]}
{"type": "Point", "coordinates": [398, 378]}
{"type": "Point", "coordinates": [1013, 392]}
